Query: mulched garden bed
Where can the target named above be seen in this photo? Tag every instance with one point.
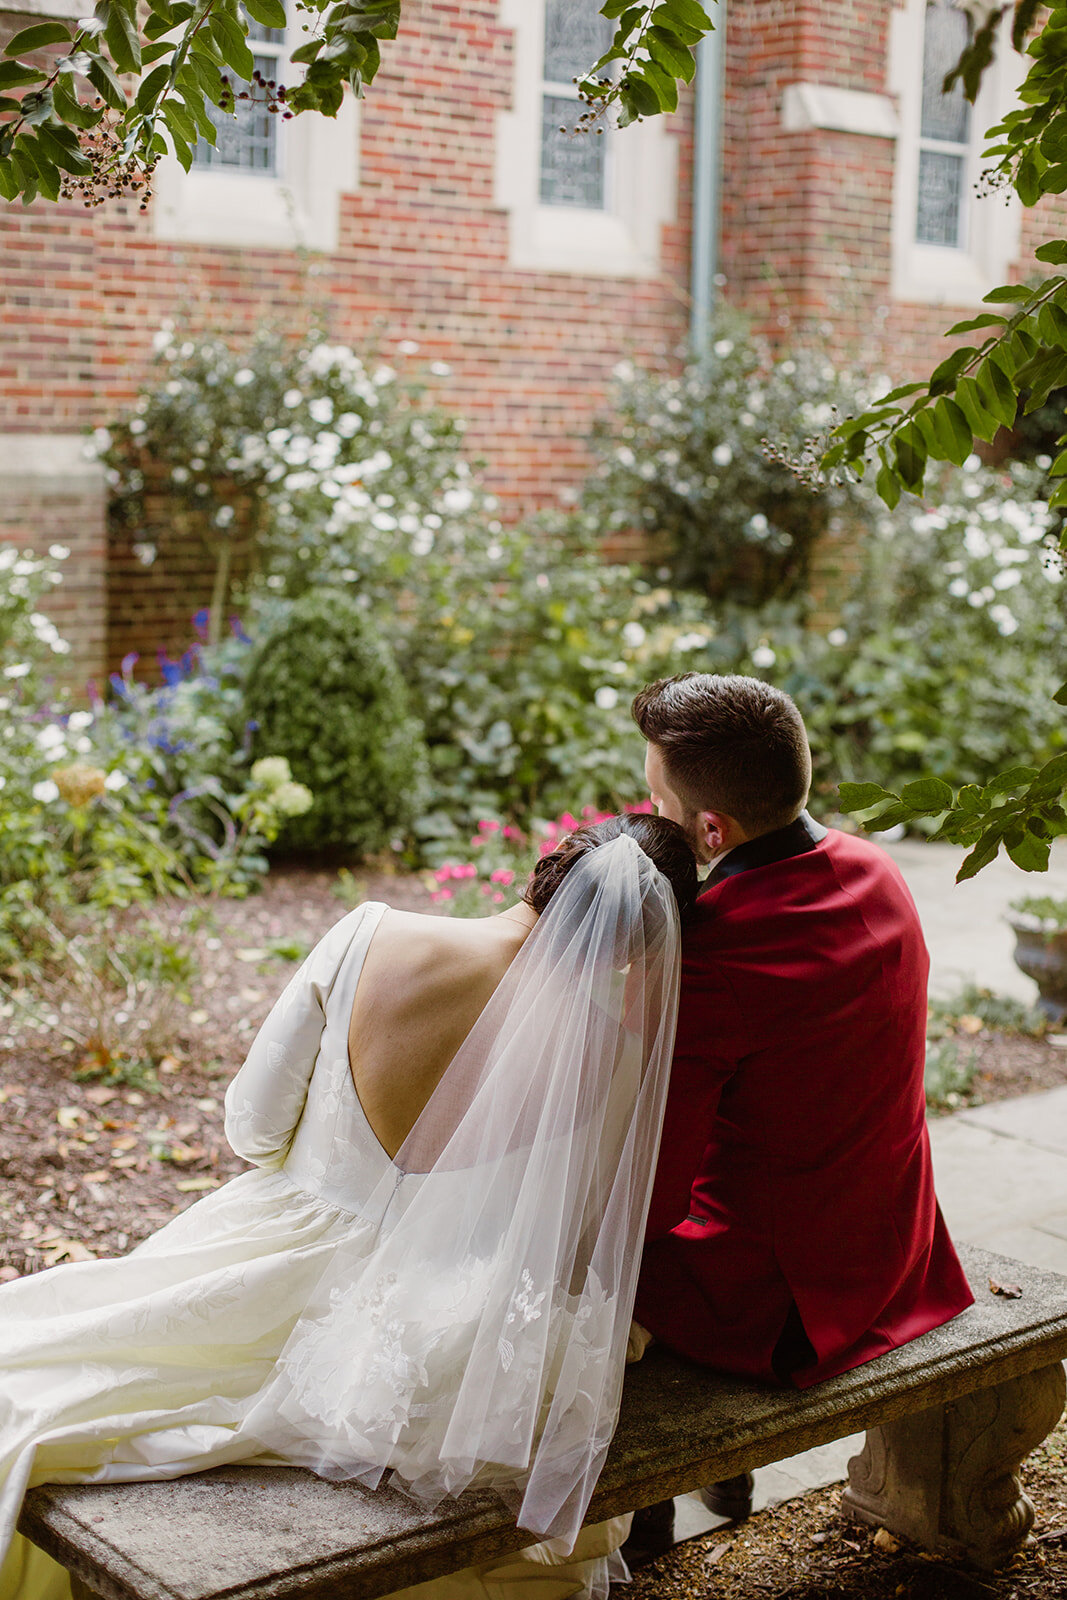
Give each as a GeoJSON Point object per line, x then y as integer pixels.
{"type": "Point", "coordinates": [807, 1549]}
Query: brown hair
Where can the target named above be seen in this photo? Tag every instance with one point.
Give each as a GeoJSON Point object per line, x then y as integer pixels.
{"type": "Point", "coordinates": [729, 744]}
{"type": "Point", "coordinates": [663, 842]}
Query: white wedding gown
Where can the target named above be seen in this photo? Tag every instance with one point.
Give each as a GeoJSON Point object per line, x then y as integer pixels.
{"type": "Point", "coordinates": [149, 1366]}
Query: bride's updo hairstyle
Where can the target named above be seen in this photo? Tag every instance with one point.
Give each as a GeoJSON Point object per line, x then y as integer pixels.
{"type": "Point", "coordinates": [664, 843]}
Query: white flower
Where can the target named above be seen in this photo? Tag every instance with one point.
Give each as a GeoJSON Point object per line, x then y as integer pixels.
{"type": "Point", "coordinates": [51, 738]}
{"type": "Point", "coordinates": [723, 347]}
{"type": "Point", "coordinates": [1005, 620]}
{"type": "Point", "coordinates": [116, 780]}
{"type": "Point", "coordinates": [348, 423]}
{"type": "Point", "coordinates": [691, 641]}
{"type": "Point", "coordinates": [138, 425]}
{"type": "Point", "coordinates": [440, 369]}
{"type": "Point", "coordinates": [162, 339]}
{"type": "Point", "coordinates": [1007, 578]}
{"type": "Point", "coordinates": [321, 409]}
{"type": "Point", "coordinates": [606, 698]}
{"type": "Point", "coordinates": [633, 635]}
{"type": "Point", "coordinates": [958, 587]}
{"type": "Point", "coordinates": [59, 552]}
{"type": "Point", "coordinates": [408, 347]}
{"type": "Point", "coordinates": [722, 455]}
{"type": "Point", "coordinates": [457, 500]}
{"type": "Point", "coordinates": [837, 637]}
{"type": "Point", "coordinates": [19, 670]}
{"type": "Point", "coordinates": [45, 791]}
{"type": "Point", "coordinates": [543, 581]}
{"type": "Point", "coordinates": [972, 463]}
{"type": "Point", "coordinates": [224, 516]}
{"type": "Point", "coordinates": [763, 656]}
{"type": "Point", "coordinates": [79, 720]}
{"type": "Point", "coordinates": [291, 398]}
{"type": "Point", "coordinates": [145, 552]}
{"type": "Point", "coordinates": [624, 372]}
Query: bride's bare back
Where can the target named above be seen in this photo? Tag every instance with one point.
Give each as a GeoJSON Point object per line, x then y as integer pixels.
{"type": "Point", "coordinates": [425, 982]}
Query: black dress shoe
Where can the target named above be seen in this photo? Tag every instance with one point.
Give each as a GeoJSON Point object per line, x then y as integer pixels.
{"type": "Point", "coordinates": [651, 1535]}
{"type": "Point", "coordinates": [731, 1498]}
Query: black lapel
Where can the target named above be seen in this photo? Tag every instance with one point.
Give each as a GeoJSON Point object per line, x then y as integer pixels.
{"type": "Point", "coordinates": [799, 836]}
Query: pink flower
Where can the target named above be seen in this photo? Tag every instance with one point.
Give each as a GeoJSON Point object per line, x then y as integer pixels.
{"type": "Point", "coordinates": [443, 874]}
{"type": "Point", "coordinates": [568, 822]}
{"type": "Point", "coordinates": [467, 871]}
{"type": "Point", "coordinates": [488, 826]}
{"type": "Point", "coordinates": [502, 875]}
{"type": "Point", "coordinates": [477, 842]}
{"type": "Point", "coordinates": [441, 894]}
{"type": "Point", "coordinates": [640, 808]}
{"type": "Point", "coordinates": [498, 897]}
{"type": "Point", "coordinates": [512, 833]}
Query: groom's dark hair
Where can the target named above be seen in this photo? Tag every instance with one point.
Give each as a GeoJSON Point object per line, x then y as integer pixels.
{"type": "Point", "coordinates": [729, 744]}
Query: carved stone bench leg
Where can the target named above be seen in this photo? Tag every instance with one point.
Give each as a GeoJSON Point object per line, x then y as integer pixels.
{"type": "Point", "coordinates": [947, 1478]}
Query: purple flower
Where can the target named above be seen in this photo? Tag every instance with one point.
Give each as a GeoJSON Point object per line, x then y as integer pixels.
{"type": "Point", "coordinates": [200, 621]}
{"type": "Point", "coordinates": [237, 630]}
{"type": "Point", "coordinates": [129, 662]}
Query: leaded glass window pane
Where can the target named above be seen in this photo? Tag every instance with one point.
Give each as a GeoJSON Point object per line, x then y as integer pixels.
{"type": "Point", "coordinates": [944, 116]}
{"type": "Point", "coordinates": [248, 139]}
{"type": "Point", "coordinates": [575, 36]}
{"type": "Point", "coordinates": [941, 177]}
{"type": "Point", "coordinates": [572, 164]}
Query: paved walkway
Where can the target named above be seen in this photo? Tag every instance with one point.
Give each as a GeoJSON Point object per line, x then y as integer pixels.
{"type": "Point", "coordinates": [1002, 1169]}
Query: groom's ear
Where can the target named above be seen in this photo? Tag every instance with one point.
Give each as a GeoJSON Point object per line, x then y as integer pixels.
{"type": "Point", "coordinates": [718, 832]}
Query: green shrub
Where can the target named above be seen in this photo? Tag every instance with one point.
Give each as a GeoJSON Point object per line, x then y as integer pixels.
{"type": "Point", "coordinates": [683, 460]}
{"type": "Point", "coordinates": [324, 691]}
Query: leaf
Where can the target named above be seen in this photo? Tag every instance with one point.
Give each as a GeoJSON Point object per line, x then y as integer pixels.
{"type": "Point", "coordinates": [927, 795]}
{"type": "Point", "coordinates": [1012, 778]}
{"type": "Point", "coordinates": [887, 485]}
{"type": "Point", "coordinates": [1026, 13]}
{"type": "Point", "coordinates": [1028, 176]}
{"type": "Point", "coordinates": [673, 54]}
{"type": "Point", "coordinates": [997, 394]}
{"type": "Point", "coordinates": [638, 93]}
{"type": "Point", "coordinates": [1009, 1291]}
{"type": "Point", "coordinates": [910, 453]}
{"type": "Point", "coordinates": [1060, 697]}
{"type": "Point", "coordinates": [860, 796]}
{"type": "Point", "coordinates": [1054, 252]}
{"type": "Point", "coordinates": [269, 13]}
{"type": "Point", "coordinates": [969, 400]}
{"type": "Point", "coordinates": [953, 430]}
{"type": "Point", "coordinates": [988, 319]}
{"type": "Point", "coordinates": [890, 818]}
{"type": "Point", "coordinates": [664, 83]}
{"type": "Point", "coordinates": [192, 1185]}
{"type": "Point", "coordinates": [59, 151]}
{"type": "Point", "coordinates": [37, 37]}
{"type": "Point", "coordinates": [1030, 853]}
{"type": "Point", "coordinates": [943, 379]}
{"type": "Point", "coordinates": [231, 44]}
{"type": "Point", "coordinates": [70, 1116]}
{"type": "Point", "coordinates": [983, 853]}
{"type": "Point", "coordinates": [686, 11]}
{"type": "Point", "coordinates": [1008, 292]}
{"type": "Point", "coordinates": [613, 8]}
{"type": "Point", "coordinates": [902, 392]}
{"type": "Point", "coordinates": [151, 89]}
{"type": "Point", "coordinates": [14, 75]}
{"type": "Point", "coordinates": [101, 75]}
{"type": "Point", "coordinates": [120, 31]}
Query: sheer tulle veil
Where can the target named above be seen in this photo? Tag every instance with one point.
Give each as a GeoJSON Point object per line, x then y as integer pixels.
{"type": "Point", "coordinates": [482, 1340]}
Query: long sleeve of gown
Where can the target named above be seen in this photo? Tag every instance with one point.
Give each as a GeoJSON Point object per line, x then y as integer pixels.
{"type": "Point", "coordinates": [266, 1099]}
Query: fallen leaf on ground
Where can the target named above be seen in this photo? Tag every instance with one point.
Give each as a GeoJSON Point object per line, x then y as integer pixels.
{"type": "Point", "coordinates": [67, 1250]}
{"type": "Point", "coordinates": [970, 1024]}
{"type": "Point", "coordinates": [100, 1096]}
{"type": "Point", "coordinates": [884, 1540]}
{"type": "Point", "coordinates": [189, 1185]}
{"type": "Point", "coordinates": [252, 954]}
{"type": "Point", "coordinates": [1010, 1291]}
{"type": "Point", "coordinates": [717, 1552]}
{"type": "Point", "coordinates": [95, 1177]}
{"type": "Point", "coordinates": [70, 1116]}
{"type": "Point", "coordinates": [9, 1274]}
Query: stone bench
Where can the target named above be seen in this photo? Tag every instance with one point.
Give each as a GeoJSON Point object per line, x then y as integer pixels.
{"type": "Point", "coordinates": [948, 1418]}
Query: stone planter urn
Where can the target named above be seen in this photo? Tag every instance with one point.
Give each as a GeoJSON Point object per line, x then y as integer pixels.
{"type": "Point", "coordinates": [1041, 952]}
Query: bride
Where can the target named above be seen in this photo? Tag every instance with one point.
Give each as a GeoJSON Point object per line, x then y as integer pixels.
{"type": "Point", "coordinates": [428, 1275]}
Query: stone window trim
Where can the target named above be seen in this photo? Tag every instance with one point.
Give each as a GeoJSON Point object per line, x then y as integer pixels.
{"type": "Point", "coordinates": [295, 206]}
{"type": "Point", "coordinates": [935, 274]}
{"type": "Point", "coordinates": [622, 240]}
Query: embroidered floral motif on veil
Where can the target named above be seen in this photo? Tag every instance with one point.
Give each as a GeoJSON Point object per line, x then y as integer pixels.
{"type": "Point", "coordinates": [525, 1304]}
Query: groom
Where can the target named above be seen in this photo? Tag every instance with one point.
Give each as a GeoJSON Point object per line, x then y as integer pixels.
{"type": "Point", "coordinates": [794, 1232]}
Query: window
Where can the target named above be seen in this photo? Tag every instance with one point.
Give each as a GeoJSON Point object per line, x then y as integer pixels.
{"type": "Point", "coordinates": [944, 131]}
{"type": "Point", "coordinates": [267, 183]}
{"type": "Point", "coordinates": [950, 245]}
{"type": "Point", "coordinates": [583, 203]}
{"type": "Point", "coordinates": [572, 165]}
{"type": "Point", "coordinates": [248, 139]}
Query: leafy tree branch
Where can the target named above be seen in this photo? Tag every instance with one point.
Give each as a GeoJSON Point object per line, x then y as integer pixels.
{"type": "Point", "coordinates": [88, 111]}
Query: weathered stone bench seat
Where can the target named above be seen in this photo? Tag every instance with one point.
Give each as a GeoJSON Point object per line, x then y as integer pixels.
{"type": "Point", "coordinates": [948, 1419]}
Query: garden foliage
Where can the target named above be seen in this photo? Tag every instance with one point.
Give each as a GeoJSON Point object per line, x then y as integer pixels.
{"type": "Point", "coordinates": [683, 459]}
{"type": "Point", "coordinates": [324, 690]}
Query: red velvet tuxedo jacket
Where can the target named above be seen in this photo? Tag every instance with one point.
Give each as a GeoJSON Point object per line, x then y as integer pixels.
{"type": "Point", "coordinates": [794, 1231]}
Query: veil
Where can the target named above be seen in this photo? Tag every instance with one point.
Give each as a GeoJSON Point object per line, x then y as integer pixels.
{"type": "Point", "coordinates": [481, 1340]}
